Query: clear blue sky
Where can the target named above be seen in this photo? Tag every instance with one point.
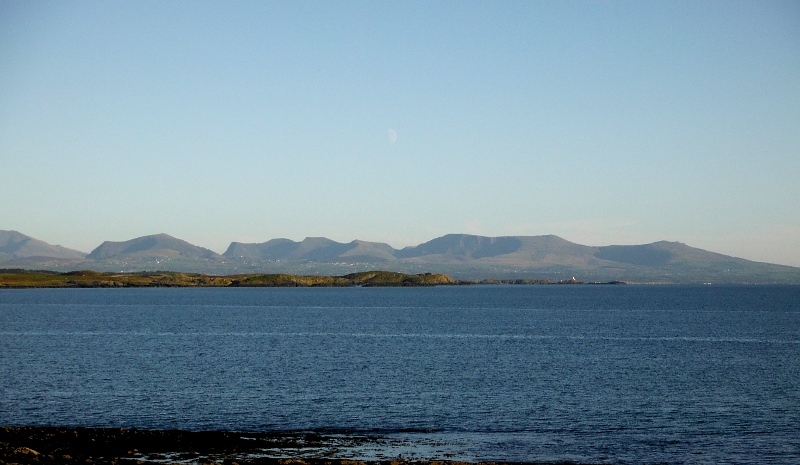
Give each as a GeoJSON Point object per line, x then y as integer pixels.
{"type": "Point", "coordinates": [601, 122]}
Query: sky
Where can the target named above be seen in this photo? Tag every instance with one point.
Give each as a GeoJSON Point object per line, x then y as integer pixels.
{"type": "Point", "coordinates": [614, 122]}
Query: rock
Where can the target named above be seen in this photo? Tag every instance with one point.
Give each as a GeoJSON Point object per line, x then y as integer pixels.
{"type": "Point", "coordinates": [25, 451]}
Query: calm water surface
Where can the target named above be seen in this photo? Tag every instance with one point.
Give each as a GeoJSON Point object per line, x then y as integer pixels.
{"type": "Point", "coordinates": [611, 374]}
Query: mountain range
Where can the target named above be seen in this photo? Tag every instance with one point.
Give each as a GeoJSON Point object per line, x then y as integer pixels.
{"type": "Point", "coordinates": [462, 256]}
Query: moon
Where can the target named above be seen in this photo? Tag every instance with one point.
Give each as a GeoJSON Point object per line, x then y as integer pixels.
{"type": "Point", "coordinates": [392, 136]}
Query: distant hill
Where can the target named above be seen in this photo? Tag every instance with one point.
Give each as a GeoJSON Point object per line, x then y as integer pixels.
{"type": "Point", "coordinates": [18, 246]}
{"type": "Point", "coordinates": [462, 256]}
{"type": "Point", "coordinates": [462, 247]}
{"type": "Point", "coordinates": [310, 249]}
{"type": "Point", "coordinates": [550, 257]}
{"type": "Point", "coordinates": [157, 245]}
{"type": "Point", "coordinates": [507, 250]}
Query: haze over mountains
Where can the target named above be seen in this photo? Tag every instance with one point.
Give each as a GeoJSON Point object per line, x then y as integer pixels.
{"type": "Point", "coordinates": [158, 245]}
{"type": "Point", "coordinates": [459, 255]}
{"type": "Point", "coordinates": [15, 246]}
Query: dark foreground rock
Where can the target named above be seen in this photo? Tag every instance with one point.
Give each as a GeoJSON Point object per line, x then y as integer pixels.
{"type": "Point", "coordinates": [50, 445]}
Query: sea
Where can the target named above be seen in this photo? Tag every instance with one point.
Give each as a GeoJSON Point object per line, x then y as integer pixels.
{"type": "Point", "coordinates": [623, 374]}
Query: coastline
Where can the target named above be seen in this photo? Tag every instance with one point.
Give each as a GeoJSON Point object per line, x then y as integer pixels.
{"type": "Point", "coordinates": [27, 279]}
{"type": "Point", "coordinates": [23, 279]}
{"type": "Point", "coordinates": [121, 446]}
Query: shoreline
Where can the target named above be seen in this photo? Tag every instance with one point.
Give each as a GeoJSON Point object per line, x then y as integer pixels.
{"type": "Point", "coordinates": [38, 279]}
{"type": "Point", "coordinates": [44, 445]}
{"type": "Point", "coordinates": [27, 279]}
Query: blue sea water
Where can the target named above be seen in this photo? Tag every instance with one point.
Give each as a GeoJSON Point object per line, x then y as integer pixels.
{"type": "Point", "coordinates": [601, 374]}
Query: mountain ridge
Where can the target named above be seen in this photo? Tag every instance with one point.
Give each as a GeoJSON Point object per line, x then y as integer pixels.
{"type": "Point", "coordinates": [15, 245]}
{"type": "Point", "coordinates": [156, 243]}
{"type": "Point", "coordinates": [463, 256]}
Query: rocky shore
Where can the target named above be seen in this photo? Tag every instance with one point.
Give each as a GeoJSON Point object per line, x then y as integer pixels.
{"type": "Point", "coordinates": [118, 446]}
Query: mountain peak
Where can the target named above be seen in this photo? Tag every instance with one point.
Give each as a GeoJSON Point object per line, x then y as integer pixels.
{"type": "Point", "coordinates": [156, 244]}
{"type": "Point", "coordinates": [465, 246]}
{"type": "Point", "coordinates": [15, 245]}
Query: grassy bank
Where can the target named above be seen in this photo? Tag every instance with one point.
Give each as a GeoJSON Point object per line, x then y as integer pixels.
{"type": "Point", "coordinates": [89, 279]}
